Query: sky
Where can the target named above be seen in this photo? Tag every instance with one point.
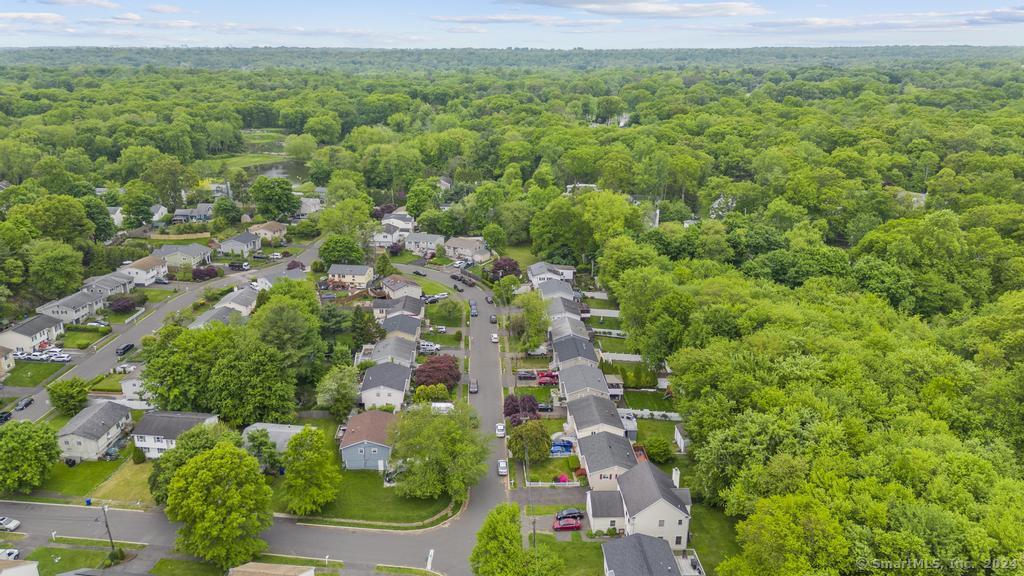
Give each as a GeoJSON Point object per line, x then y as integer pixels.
{"type": "Point", "coordinates": [508, 23]}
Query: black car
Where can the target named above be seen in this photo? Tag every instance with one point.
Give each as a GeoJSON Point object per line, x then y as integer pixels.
{"type": "Point", "coordinates": [419, 273]}
{"type": "Point", "coordinates": [124, 349]}
{"type": "Point", "coordinates": [4, 417]}
{"type": "Point", "coordinates": [542, 407]}
{"type": "Point", "coordinates": [474, 387]}
{"type": "Point", "coordinates": [467, 281]}
{"type": "Point", "coordinates": [494, 319]}
{"type": "Point", "coordinates": [569, 513]}
{"type": "Point", "coordinates": [455, 277]}
{"type": "Point", "coordinates": [457, 288]}
{"type": "Point", "coordinates": [526, 375]}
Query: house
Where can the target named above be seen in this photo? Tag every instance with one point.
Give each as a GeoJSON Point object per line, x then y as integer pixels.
{"type": "Point", "coordinates": [470, 248]}
{"type": "Point", "coordinates": [6, 361]}
{"type": "Point", "coordinates": [639, 555]}
{"type": "Point", "coordinates": [387, 235]}
{"type": "Point", "coordinates": [655, 505]}
{"type": "Point", "coordinates": [222, 314]}
{"type": "Point", "coordinates": [308, 206]}
{"type": "Point", "coordinates": [580, 381]}
{"type": "Point", "coordinates": [402, 326]}
{"type": "Point", "coordinates": [550, 289]}
{"type": "Point", "coordinates": [18, 567]}
{"type": "Point", "coordinates": [89, 434]}
{"type": "Point", "coordinates": [243, 300]}
{"type": "Point", "coordinates": [605, 456]}
{"type": "Point", "coordinates": [145, 271]}
{"type": "Point", "coordinates": [573, 351]}
{"type": "Point", "coordinates": [407, 305]}
{"type": "Point", "coordinates": [185, 255]}
{"type": "Point", "coordinates": [423, 244]}
{"type": "Point", "coordinates": [444, 183]}
{"type": "Point", "coordinates": [540, 271]}
{"type": "Point", "coordinates": [221, 190]}
{"type": "Point", "coordinates": [262, 569]}
{"type": "Point", "coordinates": [400, 220]}
{"type": "Point", "coordinates": [593, 415]}
{"type": "Point", "coordinates": [74, 308]}
{"type": "Point", "coordinates": [269, 231]}
{"type": "Point", "coordinates": [563, 308]}
{"type": "Point", "coordinates": [157, 212]}
{"type": "Point", "coordinates": [567, 326]}
{"type": "Point", "coordinates": [35, 333]}
{"type": "Point", "coordinates": [117, 215]}
{"type": "Point", "coordinates": [364, 441]}
{"type": "Point", "coordinates": [384, 385]}
{"type": "Point", "coordinates": [680, 437]}
{"type": "Point", "coordinates": [242, 244]}
{"type": "Point", "coordinates": [394, 349]}
{"type": "Point", "coordinates": [396, 286]}
{"type": "Point", "coordinates": [605, 510]}
{"type": "Point", "coordinates": [109, 284]}
{"type": "Point", "coordinates": [280, 434]}
{"type": "Point", "coordinates": [158, 431]}
{"type": "Point", "coordinates": [350, 276]}
{"type": "Point", "coordinates": [203, 212]}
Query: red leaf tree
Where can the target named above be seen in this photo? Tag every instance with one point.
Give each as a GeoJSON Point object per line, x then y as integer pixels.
{"type": "Point", "coordinates": [440, 369]}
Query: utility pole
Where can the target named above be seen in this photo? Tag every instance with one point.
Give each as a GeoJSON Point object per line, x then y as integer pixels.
{"type": "Point", "coordinates": [106, 521]}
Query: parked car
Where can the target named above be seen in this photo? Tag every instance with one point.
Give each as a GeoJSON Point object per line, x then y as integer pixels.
{"type": "Point", "coordinates": [97, 324]}
{"type": "Point", "coordinates": [431, 299]}
{"type": "Point", "coordinates": [9, 524]}
{"type": "Point", "coordinates": [162, 280]}
{"type": "Point", "coordinates": [458, 288]}
{"type": "Point", "coordinates": [441, 295]}
{"type": "Point", "coordinates": [276, 256]}
{"type": "Point", "coordinates": [37, 356]}
{"type": "Point", "coordinates": [429, 347]}
{"type": "Point", "coordinates": [494, 338]}
{"type": "Point", "coordinates": [489, 299]}
{"type": "Point", "coordinates": [569, 513]}
{"type": "Point", "coordinates": [440, 329]}
{"type": "Point", "coordinates": [60, 357]}
{"type": "Point", "coordinates": [23, 403]}
{"type": "Point", "coordinates": [525, 374]}
{"type": "Point", "coordinates": [494, 319]}
{"type": "Point", "coordinates": [54, 350]}
{"type": "Point", "coordinates": [259, 256]}
{"type": "Point", "coordinates": [124, 349]}
{"type": "Point", "coordinates": [499, 430]}
{"type": "Point", "coordinates": [548, 374]}
{"type": "Point", "coordinates": [238, 265]}
{"type": "Point", "coordinates": [10, 554]}
{"type": "Point", "coordinates": [567, 524]}
{"type": "Point", "coordinates": [125, 369]}
{"type": "Point", "coordinates": [547, 381]}
{"type": "Point", "coordinates": [542, 407]}
{"type": "Point", "coordinates": [502, 467]}
{"type": "Point", "coordinates": [474, 387]}
{"type": "Point", "coordinates": [474, 312]}
{"type": "Point", "coordinates": [5, 416]}
{"type": "Point", "coordinates": [455, 276]}
{"type": "Point", "coordinates": [468, 281]}
{"type": "Point", "coordinates": [20, 355]}
{"type": "Point", "coordinates": [419, 272]}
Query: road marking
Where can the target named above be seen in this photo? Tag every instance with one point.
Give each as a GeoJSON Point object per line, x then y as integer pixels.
{"type": "Point", "coordinates": [430, 558]}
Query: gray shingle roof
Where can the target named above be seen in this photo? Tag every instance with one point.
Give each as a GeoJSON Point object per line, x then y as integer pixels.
{"type": "Point", "coordinates": [567, 326]}
{"type": "Point", "coordinates": [401, 323]}
{"type": "Point", "coordinates": [574, 347]}
{"type": "Point", "coordinates": [387, 374]}
{"type": "Point", "coordinates": [280, 434]}
{"type": "Point", "coordinates": [606, 504]}
{"type": "Point", "coordinates": [108, 281]}
{"type": "Point", "coordinates": [76, 300]}
{"type": "Point", "coordinates": [169, 424]}
{"type": "Point", "coordinates": [220, 314]}
{"type": "Point", "coordinates": [559, 306]}
{"type": "Point", "coordinates": [192, 250]}
{"type": "Point", "coordinates": [404, 304]}
{"type": "Point", "coordinates": [584, 377]}
{"type": "Point", "coordinates": [95, 420]}
{"type": "Point", "coordinates": [348, 269]}
{"type": "Point", "coordinates": [243, 297]}
{"type": "Point", "coordinates": [555, 289]}
{"type": "Point", "coordinates": [645, 484]}
{"type": "Point", "coordinates": [34, 325]}
{"type": "Point", "coordinates": [394, 349]}
{"type": "Point", "coordinates": [243, 238]}
{"type": "Point", "coordinates": [396, 282]}
{"type": "Point", "coordinates": [594, 410]}
{"type": "Point", "coordinates": [604, 450]}
{"type": "Point", "coordinates": [424, 238]}
{"type": "Point", "coordinates": [639, 555]}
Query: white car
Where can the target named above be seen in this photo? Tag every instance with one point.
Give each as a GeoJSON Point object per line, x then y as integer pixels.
{"type": "Point", "coordinates": [441, 295]}
{"type": "Point", "coordinates": [54, 350]}
{"type": "Point", "coordinates": [494, 338]}
{"type": "Point", "coordinates": [442, 329]}
{"type": "Point", "coordinates": [502, 467]}
{"type": "Point", "coordinates": [10, 554]}
{"type": "Point", "coordinates": [37, 356]}
{"type": "Point", "coordinates": [60, 357]}
{"type": "Point", "coordinates": [275, 256]}
{"type": "Point", "coordinates": [499, 430]}
{"type": "Point", "coordinates": [9, 524]}
{"type": "Point", "coordinates": [20, 355]}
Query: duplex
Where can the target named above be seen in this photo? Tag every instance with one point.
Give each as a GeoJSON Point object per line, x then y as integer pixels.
{"type": "Point", "coordinates": [350, 276]}
{"type": "Point", "coordinates": [270, 232]}
{"type": "Point", "coordinates": [540, 271]}
{"type": "Point", "coordinates": [186, 255]}
{"type": "Point", "coordinates": [593, 415]}
{"type": "Point", "coordinates": [394, 349]}
{"type": "Point", "coordinates": [158, 432]}
{"type": "Point", "coordinates": [109, 284]}
{"type": "Point", "coordinates": [573, 351]}
{"type": "Point", "coordinates": [423, 244]}
{"type": "Point", "coordinates": [35, 333]}
{"type": "Point", "coordinates": [89, 434]}
{"type": "Point", "coordinates": [75, 308]}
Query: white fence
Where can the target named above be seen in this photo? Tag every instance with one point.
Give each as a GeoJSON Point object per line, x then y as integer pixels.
{"type": "Point", "coordinates": [609, 333]}
{"type": "Point", "coordinates": [604, 312]}
{"type": "Point", "coordinates": [553, 484]}
{"type": "Point", "coordinates": [650, 414]}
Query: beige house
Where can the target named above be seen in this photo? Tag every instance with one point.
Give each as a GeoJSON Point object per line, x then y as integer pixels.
{"type": "Point", "coordinates": [269, 231]}
{"type": "Point", "coordinates": [352, 276]}
{"type": "Point", "coordinates": [145, 271]}
{"type": "Point", "coordinates": [471, 248]}
{"type": "Point", "coordinates": [605, 457]}
{"type": "Point", "coordinates": [89, 434]}
{"type": "Point", "coordinates": [655, 505]}
{"type": "Point", "coordinates": [396, 286]}
{"type": "Point", "coordinates": [190, 255]}
{"type": "Point", "coordinates": [6, 360]}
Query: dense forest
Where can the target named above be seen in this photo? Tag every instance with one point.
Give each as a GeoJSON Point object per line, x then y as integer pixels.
{"type": "Point", "coordinates": [835, 278]}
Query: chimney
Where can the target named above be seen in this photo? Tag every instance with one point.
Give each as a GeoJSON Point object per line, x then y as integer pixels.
{"type": "Point", "coordinates": [675, 477]}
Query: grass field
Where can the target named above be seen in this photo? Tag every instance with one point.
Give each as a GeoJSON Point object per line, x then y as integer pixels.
{"type": "Point", "coordinates": [441, 314]}
{"type": "Point", "coordinates": [80, 339]}
{"type": "Point", "coordinates": [615, 345]}
{"type": "Point", "coordinates": [581, 558]}
{"type": "Point", "coordinates": [56, 421]}
{"type": "Point", "coordinates": [81, 479]}
{"type": "Point", "coordinates": [29, 374]}
{"type": "Point", "coordinates": [237, 161]}
{"type": "Point", "coordinates": [130, 483]}
{"type": "Point", "coordinates": [441, 260]}
{"type": "Point", "coordinates": [547, 470]}
{"type": "Point", "coordinates": [404, 257]}
{"type": "Point", "coordinates": [109, 383]}
{"type": "Point", "coordinates": [98, 542]}
{"type": "Point", "coordinates": [714, 536]}
{"type": "Point", "coordinates": [648, 428]}
{"type": "Point", "coordinates": [520, 254]}
{"type": "Point", "coordinates": [604, 322]}
{"type": "Point", "coordinates": [450, 339]}
{"type": "Point", "coordinates": [599, 303]}
{"type": "Point", "coordinates": [172, 567]}
{"type": "Point", "coordinates": [296, 561]}
{"type": "Point", "coordinates": [541, 393]}
{"type": "Point", "coordinates": [430, 287]}
{"type": "Point", "coordinates": [549, 509]}
{"type": "Point", "coordinates": [389, 569]}
{"type": "Point", "coordinates": [118, 317]}
{"type": "Point", "coordinates": [649, 401]}
{"type": "Point", "coordinates": [154, 295]}
{"type": "Point", "coordinates": [53, 561]}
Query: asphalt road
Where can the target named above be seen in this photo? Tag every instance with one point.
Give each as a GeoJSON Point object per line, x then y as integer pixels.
{"type": "Point", "coordinates": [451, 542]}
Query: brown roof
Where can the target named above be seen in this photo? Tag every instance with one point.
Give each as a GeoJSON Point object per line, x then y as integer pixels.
{"type": "Point", "coordinates": [261, 569]}
{"type": "Point", "coordinates": [147, 263]}
{"type": "Point", "coordinates": [370, 426]}
{"type": "Point", "coordinates": [273, 226]}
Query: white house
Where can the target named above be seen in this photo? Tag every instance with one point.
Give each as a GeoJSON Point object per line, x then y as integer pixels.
{"type": "Point", "coordinates": [157, 432]}
{"type": "Point", "coordinates": [241, 299]}
{"type": "Point", "coordinates": [396, 286]}
{"type": "Point", "coordinates": [18, 567]}
{"type": "Point", "coordinates": [280, 434]}
{"type": "Point", "coordinates": [593, 415]}
{"type": "Point", "coordinates": [243, 244]}
{"type": "Point", "coordinates": [190, 255]}
{"type": "Point", "coordinates": [384, 385]}
{"type": "Point", "coordinates": [308, 206]}
{"type": "Point", "coordinates": [109, 284]}
{"type": "Point", "coordinates": [388, 307]}
{"type": "Point", "coordinates": [580, 381]}
{"type": "Point", "coordinates": [117, 215]}
{"type": "Point", "coordinates": [145, 271]}
{"type": "Point", "coordinates": [396, 350]}
{"type": "Point", "coordinates": [74, 308]}
{"type": "Point", "coordinates": [89, 434]}
{"type": "Point", "coordinates": [203, 212]}
{"type": "Point", "coordinates": [387, 235]}
{"type": "Point", "coordinates": [471, 248]}
{"type": "Point", "coordinates": [605, 456]}
{"type": "Point", "coordinates": [655, 505]}
{"type": "Point", "coordinates": [423, 244]}
{"type": "Point", "coordinates": [352, 276]}
{"type": "Point", "coordinates": [540, 271]}
{"type": "Point", "coordinates": [36, 333]}
{"type": "Point", "coordinates": [401, 220]}
{"type": "Point", "coordinates": [157, 212]}
{"type": "Point", "coordinates": [552, 289]}
{"type": "Point", "coordinates": [6, 361]}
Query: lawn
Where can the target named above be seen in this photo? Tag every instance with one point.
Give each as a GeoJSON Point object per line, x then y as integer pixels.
{"type": "Point", "coordinates": [56, 421]}
{"type": "Point", "coordinates": [130, 483]}
{"type": "Point", "coordinates": [296, 561]}
{"type": "Point", "coordinates": [714, 536]}
{"type": "Point", "coordinates": [634, 375]}
{"type": "Point", "coordinates": [549, 509]}
{"type": "Point", "coordinates": [520, 254]}
{"type": "Point", "coordinates": [444, 315]}
{"type": "Point", "coordinates": [547, 470]}
{"type": "Point", "coordinates": [647, 428]}
{"type": "Point", "coordinates": [604, 322]}
{"type": "Point", "coordinates": [53, 561]}
{"type": "Point", "coordinates": [29, 374]}
{"type": "Point", "coordinates": [81, 479]}
{"type": "Point", "coordinates": [118, 317]}
{"type": "Point", "coordinates": [5, 400]}
{"type": "Point", "coordinates": [81, 339]}
{"type": "Point", "coordinates": [97, 542]}
{"type": "Point", "coordinates": [581, 558]}
{"type": "Point", "coordinates": [404, 257]}
{"type": "Point", "coordinates": [553, 425]}
{"type": "Point", "coordinates": [172, 567]}
{"type": "Point", "coordinates": [238, 161]}
{"type": "Point", "coordinates": [649, 401]}
{"type": "Point", "coordinates": [615, 345]}
{"type": "Point", "coordinates": [441, 260]}
{"type": "Point", "coordinates": [154, 295]}
{"type": "Point", "coordinates": [599, 303]}
{"type": "Point", "coordinates": [362, 495]}
{"type": "Point", "coordinates": [109, 383]}
{"type": "Point", "coordinates": [451, 339]}
{"type": "Point", "coordinates": [541, 393]}
{"type": "Point", "coordinates": [430, 287]}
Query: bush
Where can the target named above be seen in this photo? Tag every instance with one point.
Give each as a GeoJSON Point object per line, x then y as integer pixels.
{"type": "Point", "coordinates": [318, 267]}
{"type": "Point", "coordinates": [611, 532]}
{"type": "Point", "coordinates": [121, 305]}
{"type": "Point", "coordinates": [206, 273]}
{"type": "Point", "coordinates": [659, 449]}
{"type": "Point", "coordinates": [138, 456]}
{"type": "Point", "coordinates": [199, 304]}
{"type": "Point", "coordinates": [84, 328]}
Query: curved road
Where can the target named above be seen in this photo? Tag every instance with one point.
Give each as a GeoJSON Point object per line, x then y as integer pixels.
{"type": "Point", "coordinates": [451, 542]}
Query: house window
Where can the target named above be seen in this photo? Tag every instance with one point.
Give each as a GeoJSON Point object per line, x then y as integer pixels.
{"type": "Point", "coordinates": [78, 442]}
{"type": "Point", "coordinates": [679, 540]}
{"type": "Point", "coordinates": [661, 523]}
{"type": "Point", "coordinates": [361, 451]}
{"type": "Point", "coordinates": [611, 523]}
{"type": "Point", "coordinates": [680, 522]}
{"type": "Point", "coordinates": [67, 443]}
{"type": "Point", "coordinates": [373, 450]}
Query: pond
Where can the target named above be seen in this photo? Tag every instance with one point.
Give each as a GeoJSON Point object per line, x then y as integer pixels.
{"type": "Point", "coordinates": [291, 169]}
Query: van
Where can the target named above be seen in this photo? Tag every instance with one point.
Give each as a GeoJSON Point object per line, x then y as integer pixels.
{"type": "Point", "coordinates": [429, 347]}
{"type": "Point", "coordinates": [124, 349]}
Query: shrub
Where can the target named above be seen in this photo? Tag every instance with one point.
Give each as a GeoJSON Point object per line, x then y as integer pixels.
{"type": "Point", "coordinates": [198, 304]}
{"type": "Point", "coordinates": [611, 532]}
{"type": "Point", "coordinates": [318, 267]}
{"type": "Point", "coordinates": [121, 305]}
{"type": "Point", "coordinates": [138, 456]}
{"type": "Point", "coordinates": [659, 449]}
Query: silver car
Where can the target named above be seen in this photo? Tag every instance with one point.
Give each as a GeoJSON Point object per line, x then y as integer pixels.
{"type": "Point", "coordinates": [9, 524]}
{"type": "Point", "coordinates": [502, 467]}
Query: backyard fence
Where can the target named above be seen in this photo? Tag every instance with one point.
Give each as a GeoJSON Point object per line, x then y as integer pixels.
{"type": "Point", "coordinates": [192, 236]}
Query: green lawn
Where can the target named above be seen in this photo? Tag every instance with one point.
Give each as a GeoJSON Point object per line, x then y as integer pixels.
{"type": "Point", "coordinates": [549, 509]}
{"type": "Point", "coordinates": [212, 165]}
{"type": "Point", "coordinates": [109, 383]}
{"type": "Point", "coordinates": [647, 428]}
{"type": "Point", "coordinates": [56, 421]}
{"type": "Point", "coordinates": [581, 558]}
{"type": "Point", "coordinates": [54, 561]}
{"type": "Point", "coordinates": [130, 483]}
{"type": "Point", "coordinates": [649, 401]}
{"type": "Point", "coordinates": [547, 470]}
{"type": "Point", "coordinates": [604, 322]}
{"type": "Point", "coordinates": [154, 295]}
{"type": "Point", "coordinates": [430, 287]}
{"type": "Point", "coordinates": [388, 569]}
{"type": "Point", "coordinates": [172, 567]}
{"type": "Point", "coordinates": [5, 400]}
{"type": "Point", "coordinates": [118, 317]}
{"type": "Point", "coordinates": [438, 316]}
{"type": "Point", "coordinates": [29, 374]}
{"type": "Point", "coordinates": [520, 254]}
{"type": "Point", "coordinates": [599, 303]}
{"type": "Point", "coordinates": [441, 260]}
{"type": "Point", "coordinates": [634, 375]}
{"type": "Point", "coordinates": [714, 536]}
{"type": "Point", "coordinates": [81, 479]}
{"type": "Point", "coordinates": [81, 339]}
{"type": "Point", "coordinates": [616, 345]}
{"type": "Point", "coordinates": [296, 561]}
{"type": "Point", "coordinates": [450, 339]}
{"type": "Point", "coordinates": [404, 257]}
{"type": "Point", "coordinates": [97, 542]}
{"type": "Point", "coordinates": [362, 495]}
{"type": "Point", "coordinates": [541, 393]}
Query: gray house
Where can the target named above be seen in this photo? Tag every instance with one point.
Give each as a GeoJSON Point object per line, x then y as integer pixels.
{"type": "Point", "coordinates": [243, 244]}
{"type": "Point", "coordinates": [639, 555]}
{"type": "Point", "coordinates": [192, 255]}
{"type": "Point", "coordinates": [364, 441]}
{"type": "Point", "coordinates": [90, 432]}
{"type": "Point", "coordinates": [280, 434]}
{"type": "Point", "coordinates": [574, 351]}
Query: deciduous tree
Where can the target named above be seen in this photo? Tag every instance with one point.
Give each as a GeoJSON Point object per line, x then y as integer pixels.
{"type": "Point", "coordinates": [28, 451]}
{"type": "Point", "coordinates": [311, 478]}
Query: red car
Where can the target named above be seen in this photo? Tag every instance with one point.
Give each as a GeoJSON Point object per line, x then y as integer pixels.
{"type": "Point", "coordinates": [566, 524]}
{"type": "Point", "coordinates": [547, 381]}
{"type": "Point", "coordinates": [548, 374]}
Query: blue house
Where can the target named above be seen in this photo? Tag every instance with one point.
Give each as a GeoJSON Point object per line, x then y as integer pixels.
{"type": "Point", "coordinates": [364, 441]}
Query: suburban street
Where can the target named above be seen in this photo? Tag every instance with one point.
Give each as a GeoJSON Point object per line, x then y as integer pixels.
{"type": "Point", "coordinates": [360, 549]}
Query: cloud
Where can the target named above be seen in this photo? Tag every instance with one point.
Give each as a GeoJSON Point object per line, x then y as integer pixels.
{"type": "Point", "coordinates": [655, 8]}
{"type": "Point", "coordinates": [534, 19]}
{"type": "Point", "coordinates": [32, 17]}
{"type": "Point", "coordinates": [468, 29]}
{"type": "Point", "coordinates": [94, 3]}
{"type": "Point", "coordinates": [165, 9]}
{"type": "Point", "coordinates": [896, 21]}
